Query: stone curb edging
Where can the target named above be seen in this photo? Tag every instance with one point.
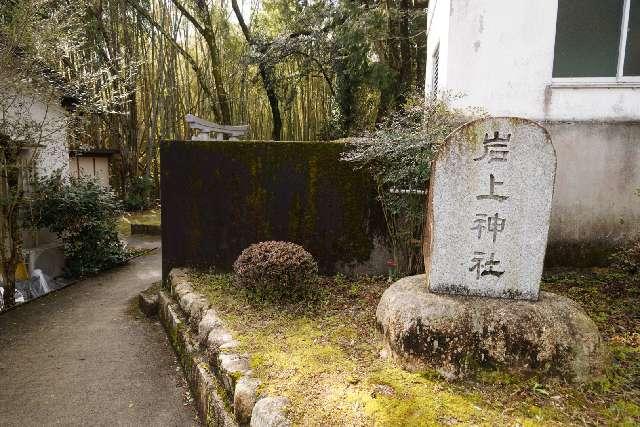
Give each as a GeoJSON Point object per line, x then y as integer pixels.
{"type": "Point", "coordinates": [211, 407]}
{"type": "Point", "coordinates": [145, 229]}
{"type": "Point", "coordinates": [226, 394]}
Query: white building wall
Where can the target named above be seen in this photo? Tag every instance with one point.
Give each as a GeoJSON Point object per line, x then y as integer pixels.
{"type": "Point", "coordinates": [90, 167]}
{"type": "Point", "coordinates": [499, 56]}
{"type": "Point", "coordinates": [42, 249]}
{"type": "Point", "coordinates": [102, 171]}
{"type": "Point", "coordinates": [438, 38]}
{"type": "Point", "coordinates": [55, 153]}
{"type": "Point", "coordinates": [44, 110]}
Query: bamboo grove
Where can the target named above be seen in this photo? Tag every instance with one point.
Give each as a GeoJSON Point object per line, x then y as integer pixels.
{"type": "Point", "coordinates": [291, 69]}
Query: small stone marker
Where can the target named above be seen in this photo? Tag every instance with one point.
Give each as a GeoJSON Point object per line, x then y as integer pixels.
{"type": "Point", "coordinates": [488, 212]}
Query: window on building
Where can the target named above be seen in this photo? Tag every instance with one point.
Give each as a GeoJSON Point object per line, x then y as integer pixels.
{"type": "Point", "coordinates": [632, 48]}
{"type": "Point", "coordinates": [597, 38]}
{"type": "Point", "coordinates": [434, 72]}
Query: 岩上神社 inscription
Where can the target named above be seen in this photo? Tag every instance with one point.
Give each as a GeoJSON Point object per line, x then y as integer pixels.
{"type": "Point", "coordinates": [489, 206]}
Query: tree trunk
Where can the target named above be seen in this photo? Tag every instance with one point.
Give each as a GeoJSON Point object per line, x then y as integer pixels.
{"type": "Point", "coordinates": [406, 71]}
{"type": "Point", "coordinates": [266, 74]}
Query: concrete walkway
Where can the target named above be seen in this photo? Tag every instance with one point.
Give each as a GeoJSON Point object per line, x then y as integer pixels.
{"type": "Point", "coordinates": [86, 356]}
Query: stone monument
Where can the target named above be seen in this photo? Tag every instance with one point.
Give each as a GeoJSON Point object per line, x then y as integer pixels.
{"type": "Point", "coordinates": [488, 210]}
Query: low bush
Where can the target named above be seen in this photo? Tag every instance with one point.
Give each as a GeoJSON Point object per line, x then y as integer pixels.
{"type": "Point", "coordinates": [276, 270]}
{"type": "Point", "coordinates": [83, 215]}
{"type": "Point", "coordinates": [627, 258]}
{"type": "Point", "coordinates": [398, 154]}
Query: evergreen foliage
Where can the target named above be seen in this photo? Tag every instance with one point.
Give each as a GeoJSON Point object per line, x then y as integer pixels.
{"type": "Point", "coordinates": [276, 270]}
{"type": "Point", "coordinates": [398, 154]}
{"type": "Point", "coordinates": [83, 215]}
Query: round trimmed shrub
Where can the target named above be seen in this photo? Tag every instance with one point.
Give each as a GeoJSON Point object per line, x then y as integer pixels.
{"type": "Point", "coordinates": [276, 269]}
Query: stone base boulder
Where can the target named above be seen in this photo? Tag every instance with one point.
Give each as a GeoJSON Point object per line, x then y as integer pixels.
{"type": "Point", "coordinates": [456, 335]}
{"type": "Point", "coordinates": [148, 301]}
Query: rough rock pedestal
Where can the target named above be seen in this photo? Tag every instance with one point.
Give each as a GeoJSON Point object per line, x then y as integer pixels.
{"type": "Point", "coordinates": [458, 334]}
{"type": "Point", "coordinates": [479, 303]}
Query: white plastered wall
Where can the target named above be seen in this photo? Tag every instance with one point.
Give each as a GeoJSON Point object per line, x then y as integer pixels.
{"type": "Point", "coordinates": [53, 156]}
{"type": "Point", "coordinates": [92, 167]}
{"type": "Point", "coordinates": [45, 111]}
{"type": "Point", "coordinates": [499, 55]}
{"type": "Point", "coordinates": [438, 38]}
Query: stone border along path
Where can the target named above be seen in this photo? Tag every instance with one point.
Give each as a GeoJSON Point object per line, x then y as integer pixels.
{"type": "Point", "coordinates": [145, 229]}
{"type": "Point", "coordinates": [225, 392]}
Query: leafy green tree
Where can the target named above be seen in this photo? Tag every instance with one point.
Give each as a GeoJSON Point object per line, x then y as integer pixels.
{"type": "Point", "coordinates": [24, 91]}
{"type": "Point", "coordinates": [83, 214]}
{"type": "Point", "coordinates": [370, 54]}
{"type": "Point", "coordinates": [398, 154]}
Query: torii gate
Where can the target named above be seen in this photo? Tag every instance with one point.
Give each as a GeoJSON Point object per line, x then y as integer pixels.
{"type": "Point", "coordinates": [220, 132]}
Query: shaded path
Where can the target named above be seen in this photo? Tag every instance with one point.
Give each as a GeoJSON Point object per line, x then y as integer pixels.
{"type": "Point", "coordinates": [85, 355]}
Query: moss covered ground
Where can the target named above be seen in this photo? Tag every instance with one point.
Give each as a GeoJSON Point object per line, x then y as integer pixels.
{"type": "Point", "coordinates": [324, 355]}
{"type": "Point", "coordinates": [150, 217]}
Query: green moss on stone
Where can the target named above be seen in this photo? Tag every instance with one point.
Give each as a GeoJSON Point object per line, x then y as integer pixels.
{"type": "Point", "coordinates": [324, 356]}
{"type": "Point", "coordinates": [275, 190]}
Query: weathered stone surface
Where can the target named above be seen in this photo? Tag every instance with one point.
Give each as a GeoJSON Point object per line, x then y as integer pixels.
{"type": "Point", "coordinates": [230, 367]}
{"type": "Point", "coordinates": [488, 211]}
{"type": "Point", "coordinates": [217, 375]}
{"type": "Point", "coordinates": [270, 412]}
{"type": "Point", "coordinates": [209, 321]}
{"type": "Point", "coordinates": [193, 305]}
{"type": "Point", "coordinates": [245, 397]}
{"type": "Point", "coordinates": [167, 312]}
{"type": "Point", "coordinates": [146, 229]}
{"type": "Point", "coordinates": [219, 338]}
{"type": "Point", "coordinates": [148, 302]}
{"type": "Point", "coordinates": [211, 406]}
{"type": "Point", "coordinates": [179, 282]}
{"type": "Point", "coordinates": [456, 334]}
{"type": "Point", "coordinates": [185, 300]}
{"type": "Point", "coordinates": [191, 302]}
{"type": "Point", "coordinates": [197, 309]}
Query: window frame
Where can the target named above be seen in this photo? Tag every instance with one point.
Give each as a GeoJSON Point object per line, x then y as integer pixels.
{"type": "Point", "coordinates": [435, 70]}
{"type": "Point", "coordinates": [620, 80]}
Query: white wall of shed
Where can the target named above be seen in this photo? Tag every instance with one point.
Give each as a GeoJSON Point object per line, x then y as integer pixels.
{"type": "Point", "coordinates": [45, 110]}
{"type": "Point", "coordinates": [91, 167]}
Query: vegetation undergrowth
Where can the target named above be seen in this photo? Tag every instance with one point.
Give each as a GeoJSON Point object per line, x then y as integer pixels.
{"type": "Point", "coordinates": [398, 155]}
{"type": "Point", "coordinates": [139, 195]}
{"type": "Point", "coordinates": [147, 217]}
{"type": "Point", "coordinates": [324, 355]}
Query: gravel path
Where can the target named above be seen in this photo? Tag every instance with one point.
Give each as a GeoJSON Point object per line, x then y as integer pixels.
{"type": "Point", "coordinates": [86, 356]}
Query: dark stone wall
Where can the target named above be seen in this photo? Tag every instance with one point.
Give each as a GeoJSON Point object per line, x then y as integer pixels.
{"type": "Point", "coordinates": [218, 197]}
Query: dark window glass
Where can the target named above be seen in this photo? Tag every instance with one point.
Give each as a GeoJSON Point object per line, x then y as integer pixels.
{"type": "Point", "coordinates": [632, 54]}
{"type": "Point", "coordinates": [434, 78]}
{"type": "Point", "coordinates": [587, 38]}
